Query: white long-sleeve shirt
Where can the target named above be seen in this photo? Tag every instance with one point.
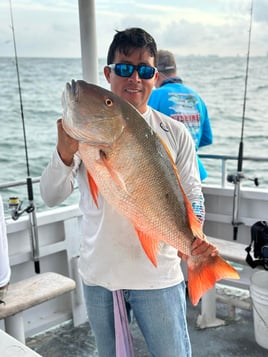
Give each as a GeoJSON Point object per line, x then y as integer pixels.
{"type": "Point", "coordinates": [111, 255]}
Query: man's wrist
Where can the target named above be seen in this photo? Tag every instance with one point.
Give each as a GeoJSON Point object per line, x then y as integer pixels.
{"type": "Point", "coordinates": [67, 160]}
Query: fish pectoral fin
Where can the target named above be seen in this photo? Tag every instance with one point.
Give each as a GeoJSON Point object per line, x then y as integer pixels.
{"type": "Point", "coordinates": [149, 245]}
{"type": "Point", "coordinates": [202, 277]}
{"type": "Point", "coordinates": [93, 189]}
{"type": "Point", "coordinates": [117, 178]}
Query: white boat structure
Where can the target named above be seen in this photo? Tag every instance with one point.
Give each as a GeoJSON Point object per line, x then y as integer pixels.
{"type": "Point", "coordinates": [59, 234]}
{"type": "Point", "coordinates": [59, 237]}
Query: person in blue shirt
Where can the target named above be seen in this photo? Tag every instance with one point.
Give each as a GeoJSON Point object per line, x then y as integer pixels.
{"type": "Point", "coordinates": [181, 103]}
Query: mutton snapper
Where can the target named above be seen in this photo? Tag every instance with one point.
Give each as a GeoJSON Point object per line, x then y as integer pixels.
{"type": "Point", "coordinates": [133, 169]}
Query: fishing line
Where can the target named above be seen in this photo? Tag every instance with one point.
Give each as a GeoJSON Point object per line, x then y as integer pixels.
{"type": "Point", "coordinates": [16, 212]}
{"type": "Point", "coordinates": [240, 154]}
{"type": "Point", "coordinates": [19, 87]}
{"type": "Point", "coordinates": [235, 179]}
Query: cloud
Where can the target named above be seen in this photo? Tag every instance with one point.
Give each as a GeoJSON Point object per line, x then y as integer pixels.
{"type": "Point", "coordinates": [51, 28]}
{"type": "Point", "coordinates": [261, 11]}
{"type": "Point", "coordinates": [40, 31]}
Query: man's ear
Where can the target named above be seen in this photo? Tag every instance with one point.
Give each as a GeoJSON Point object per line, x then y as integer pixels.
{"type": "Point", "coordinates": [157, 80]}
{"type": "Point", "coordinates": [107, 73]}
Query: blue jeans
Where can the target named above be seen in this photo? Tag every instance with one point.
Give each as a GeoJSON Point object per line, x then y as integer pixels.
{"type": "Point", "coordinates": [160, 314]}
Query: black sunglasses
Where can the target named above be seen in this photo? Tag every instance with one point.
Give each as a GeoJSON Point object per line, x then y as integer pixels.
{"type": "Point", "coordinates": [126, 70]}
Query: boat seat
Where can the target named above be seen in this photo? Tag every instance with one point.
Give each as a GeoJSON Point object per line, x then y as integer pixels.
{"type": "Point", "coordinates": [232, 296]}
{"type": "Point", "coordinates": [28, 293]}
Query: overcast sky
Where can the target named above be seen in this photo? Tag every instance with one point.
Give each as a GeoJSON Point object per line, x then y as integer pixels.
{"type": "Point", "coordinates": [199, 27]}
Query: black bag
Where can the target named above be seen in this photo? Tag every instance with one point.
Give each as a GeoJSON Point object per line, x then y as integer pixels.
{"type": "Point", "coordinates": [259, 240]}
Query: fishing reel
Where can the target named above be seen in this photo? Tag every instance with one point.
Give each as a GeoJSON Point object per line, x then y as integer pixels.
{"type": "Point", "coordinates": [15, 206]}
{"type": "Point", "coordinates": [236, 178]}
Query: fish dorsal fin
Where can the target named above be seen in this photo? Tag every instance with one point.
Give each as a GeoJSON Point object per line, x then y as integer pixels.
{"type": "Point", "coordinates": [149, 245]}
{"type": "Point", "coordinates": [194, 222]}
{"type": "Point", "coordinates": [93, 189]}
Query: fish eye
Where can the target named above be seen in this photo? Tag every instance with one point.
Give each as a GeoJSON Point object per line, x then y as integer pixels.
{"type": "Point", "coordinates": [108, 102]}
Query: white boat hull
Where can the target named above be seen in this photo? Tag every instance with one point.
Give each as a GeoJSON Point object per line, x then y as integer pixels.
{"type": "Point", "coordinates": [59, 240]}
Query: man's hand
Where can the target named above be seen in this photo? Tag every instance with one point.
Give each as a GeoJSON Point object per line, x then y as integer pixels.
{"type": "Point", "coordinates": [66, 146]}
{"type": "Point", "coordinates": [204, 247]}
{"type": "Point", "coordinates": [201, 247]}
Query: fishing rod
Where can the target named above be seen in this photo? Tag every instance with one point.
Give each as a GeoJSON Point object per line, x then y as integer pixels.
{"type": "Point", "coordinates": [14, 202]}
{"type": "Point", "coordinates": [236, 179]}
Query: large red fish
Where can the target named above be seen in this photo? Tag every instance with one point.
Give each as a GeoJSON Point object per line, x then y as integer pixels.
{"type": "Point", "coordinates": [132, 168]}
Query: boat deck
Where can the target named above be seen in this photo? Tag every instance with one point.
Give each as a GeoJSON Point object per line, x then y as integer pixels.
{"type": "Point", "coordinates": [236, 338]}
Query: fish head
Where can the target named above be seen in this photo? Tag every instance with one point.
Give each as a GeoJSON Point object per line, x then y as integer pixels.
{"type": "Point", "coordinates": [92, 114]}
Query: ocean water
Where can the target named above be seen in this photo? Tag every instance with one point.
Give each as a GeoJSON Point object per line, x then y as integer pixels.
{"type": "Point", "coordinates": [219, 81]}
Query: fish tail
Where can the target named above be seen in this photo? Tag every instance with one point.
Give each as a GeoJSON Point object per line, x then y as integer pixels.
{"type": "Point", "coordinates": [202, 277]}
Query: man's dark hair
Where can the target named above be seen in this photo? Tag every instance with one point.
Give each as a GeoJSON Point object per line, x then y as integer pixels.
{"type": "Point", "coordinates": [129, 39]}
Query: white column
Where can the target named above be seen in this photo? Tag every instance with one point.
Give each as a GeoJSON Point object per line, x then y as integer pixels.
{"type": "Point", "coordinates": [88, 37]}
{"type": "Point", "coordinates": [15, 326]}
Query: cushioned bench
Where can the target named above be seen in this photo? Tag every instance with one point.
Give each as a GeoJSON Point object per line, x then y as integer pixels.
{"type": "Point", "coordinates": [235, 252]}
{"type": "Point", "coordinates": [28, 293]}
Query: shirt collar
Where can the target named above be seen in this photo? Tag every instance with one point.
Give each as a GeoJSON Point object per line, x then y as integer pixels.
{"type": "Point", "coordinates": [171, 80]}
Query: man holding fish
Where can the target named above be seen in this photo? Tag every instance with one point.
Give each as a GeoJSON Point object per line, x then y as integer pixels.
{"type": "Point", "coordinates": [141, 200]}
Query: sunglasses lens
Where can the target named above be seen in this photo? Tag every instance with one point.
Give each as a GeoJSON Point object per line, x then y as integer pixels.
{"type": "Point", "coordinates": [146, 72]}
{"type": "Point", "coordinates": [124, 70]}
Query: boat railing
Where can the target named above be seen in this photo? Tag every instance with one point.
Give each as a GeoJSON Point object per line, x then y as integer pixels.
{"type": "Point", "coordinates": [17, 183]}
{"type": "Point", "coordinates": [222, 158]}
{"type": "Point", "coordinates": [225, 158]}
